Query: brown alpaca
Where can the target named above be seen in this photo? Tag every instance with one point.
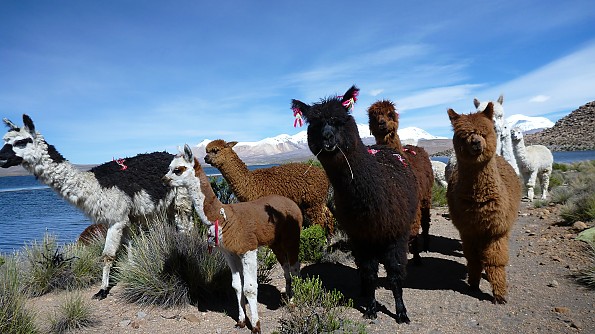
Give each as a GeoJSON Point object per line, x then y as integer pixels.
{"type": "Point", "coordinates": [240, 228]}
{"type": "Point", "coordinates": [384, 123]}
{"type": "Point", "coordinates": [306, 185]}
{"type": "Point", "coordinates": [483, 196]}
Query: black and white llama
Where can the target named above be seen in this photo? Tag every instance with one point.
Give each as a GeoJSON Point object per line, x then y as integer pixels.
{"type": "Point", "coordinates": [113, 194]}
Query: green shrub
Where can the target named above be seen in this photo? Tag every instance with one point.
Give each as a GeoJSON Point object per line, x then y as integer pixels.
{"type": "Point", "coordinates": [438, 196]}
{"type": "Point", "coordinates": [74, 313]}
{"type": "Point", "coordinates": [14, 316]}
{"type": "Point", "coordinates": [2, 261]}
{"type": "Point", "coordinates": [560, 166]}
{"type": "Point", "coordinates": [586, 276]}
{"type": "Point", "coordinates": [312, 244]}
{"type": "Point", "coordinates": [168, 268]}
{"type": "Point", "coordinates": [314, 310]}
{"type": "Point", "coordinates": [556, 179]}
{"type": "Point", "coordinates": [580, 208]}
{"type": "Point", "coordinates": [222, 190]}
{"type": "Point", "coordinates": [266, 263]}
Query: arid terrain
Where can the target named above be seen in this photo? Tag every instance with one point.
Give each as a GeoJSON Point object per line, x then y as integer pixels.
{"type": "Point", "coordinates": [543, 297]}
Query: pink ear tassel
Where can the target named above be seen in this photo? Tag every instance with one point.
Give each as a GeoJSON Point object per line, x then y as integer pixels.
{"type": "Point", "coordinates": [349, 103]}
{"type": "Point", "coordinates": [298, 117]}
{"type": "Point", "coordinates": [120, 163]}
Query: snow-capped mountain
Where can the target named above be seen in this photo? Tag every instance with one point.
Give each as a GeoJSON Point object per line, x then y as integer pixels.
{"type": "Point", "coordinates": [528, 123]}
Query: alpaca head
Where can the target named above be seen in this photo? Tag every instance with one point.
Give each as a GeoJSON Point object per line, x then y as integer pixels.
{"type": "Point", "coordinates": [218, 151]}
{"type": "Point", "coordinates": [22, 144]}
{"type": "Point", "coordinates": [474, 138]}
{"type": "Point", "coordinates": [516, 134]}
{"type": "Point", "coordinates": [498, 109]}
{"type": "Point", "coordinates": [383, 119]}
{"type": "Point", "coordinates": [331, 128]}
{"type": "Point", "coordinates": [181, 169]}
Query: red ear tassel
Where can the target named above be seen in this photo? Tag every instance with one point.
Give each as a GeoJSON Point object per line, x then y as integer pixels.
{"type": "Point", "coordinates": [349, 103]}
{"type": "Point", "coordinates": [298, 117]}
{"type": "Point", "coordinates": [120, 163]}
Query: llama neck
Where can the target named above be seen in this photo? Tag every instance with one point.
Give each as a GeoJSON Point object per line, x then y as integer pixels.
{"type": "Point", "coordinates": [520, 152]}
{"type": "Point", "coordinates": [391, 139]}
{"type": "Point", "coordinates": [203, 195]}
{"type": "Point", "coordinates": [237, 175]}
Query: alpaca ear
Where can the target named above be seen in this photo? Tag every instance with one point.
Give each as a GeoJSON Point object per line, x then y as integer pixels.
{"type": "Point", "coordinates": [501, 99]}
{"type": "Point", "coordinates": [302, 107]}
{"type": "Point", "coordinates": [489, 111]}
{"type": "Point", "coordinates": [10, 124]}
{"type": "Point", "coordinates": [452, 115]}
{"type": "Point", "coordinates": [231, 144]}
{"type": "Point", "coordinates": [476, 102]}
{"type": "Point", "coordinates": [29, 127]}
{"type": "Point", "coordinates": [350, 97]}
{"type": "Point", "coordinates": [188, 156]}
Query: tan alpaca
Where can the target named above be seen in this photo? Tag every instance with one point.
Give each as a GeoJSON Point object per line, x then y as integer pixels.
{"type": "Point", "coordinates": [483, 196]}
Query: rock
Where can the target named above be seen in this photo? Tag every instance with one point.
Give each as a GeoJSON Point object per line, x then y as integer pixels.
{"type": "Point", "coordinates": [124, 323]}
{"type": "Point", "coordinates": [191, 318]}
{"type": "Point", "coordinates": [141, 315]}
{"type": "Point", "coordinates": [580, 226]}
{"type": "Point", "coordinates": [553, 284]}
{"type": "Point", "coordinates": [562, 310]}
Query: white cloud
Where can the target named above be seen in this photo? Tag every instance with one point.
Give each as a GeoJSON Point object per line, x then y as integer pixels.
{"type": "Point", "coordinates": [540, 98]}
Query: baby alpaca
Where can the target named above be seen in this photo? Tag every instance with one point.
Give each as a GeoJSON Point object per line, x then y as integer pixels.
{"type": "Point", "coordinates": [239, 229]}
{"type": "Point", "coordinates": [483, 197]}
{"type": "Point", "coordinates": [534, 161]}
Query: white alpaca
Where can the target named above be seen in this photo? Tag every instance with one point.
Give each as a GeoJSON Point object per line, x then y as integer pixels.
{"type": "Point", "coordinates": [503, 142]}
{"type": "Point", "coordinates": [239, 229]}
{"type": "Point", "coordinates": [534, 161]}
{"type": "Point", "coordinates": [111, 194]}
{"type": "Point", "coordinates": [438, 168]}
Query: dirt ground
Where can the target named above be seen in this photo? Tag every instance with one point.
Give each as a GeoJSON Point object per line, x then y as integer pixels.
{"type": "Point", "coordinates": [543, 298]}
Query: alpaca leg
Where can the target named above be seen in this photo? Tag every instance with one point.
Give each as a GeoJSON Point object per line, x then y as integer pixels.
{"type": "Point", "coordinates": [474, 267]}
{"type": "Point", "coordinates": [113, 239]}
{"type": "Point", "coordinates": [496, 259]}
{"type": "Point", "coordinates": [395, 265]}
{"type": "Point", "coordinates": [425, 227]}
{"type": "Point", "coordinates": [531, 185]}
{"type": "Point", "coordinates": [368, 269]}
{"type": "Point", "coordinates": [250, 264]}
{"type": "Point", "coordinates": [234, 263]}
{"type": "Point", "coordinates": [545, 182]}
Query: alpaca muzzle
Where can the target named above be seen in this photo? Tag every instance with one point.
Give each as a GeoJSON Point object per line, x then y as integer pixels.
{"type": "Point", "coordinates": [329, 141]}
{"type": "Point", "coordinates": [8, 157]}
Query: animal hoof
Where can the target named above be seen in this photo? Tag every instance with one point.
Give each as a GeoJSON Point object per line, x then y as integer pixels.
{"type": "Point", "coordinates": [499, 300]}
{"type": "Point", "coordinates": [370, 315]}
{"type": "Point", "coordinates": [240, 324]}
{"type": "Point", "coordinates": [101, 294]}
{"type": "Point", "coordinates": [256, 328]}
{"type": "Point", "coordinates": [402, 318]}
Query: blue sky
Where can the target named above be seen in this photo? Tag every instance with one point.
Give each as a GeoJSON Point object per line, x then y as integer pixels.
{"type": "Point", "coordinates": [105, 79]}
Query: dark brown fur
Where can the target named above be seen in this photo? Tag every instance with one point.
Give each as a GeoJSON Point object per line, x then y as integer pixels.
{"type": "Point", "coordinates": [483, 196]}
{"type": "Point", "coordinates": [384, 123]}
{"type": "Point", "coordinates": [306, 185]}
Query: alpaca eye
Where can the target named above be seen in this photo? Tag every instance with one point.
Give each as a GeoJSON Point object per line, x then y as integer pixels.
{"type": "Point", "coordinates": [23, 142]}
{"type": "Point", "coordinates": [178, 171]}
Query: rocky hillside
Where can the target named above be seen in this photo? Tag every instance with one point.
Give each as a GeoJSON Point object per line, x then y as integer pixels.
{"type": "Point", "coordinates": [574, 132]}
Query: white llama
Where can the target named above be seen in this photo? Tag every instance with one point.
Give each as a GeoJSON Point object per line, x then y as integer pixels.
{"type": "Point", "coordinates": [112, 194]}
{"type": "Point", "coordinates": [438, 168]}
{"type": "Point", "coordinates": [534, 161]}
{"type": "Point", "coordinates": [240, 228]}
{"type": "Point", "coordinates": [503, 141]}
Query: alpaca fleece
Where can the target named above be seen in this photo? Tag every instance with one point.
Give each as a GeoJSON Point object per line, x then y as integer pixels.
{"type": "Point", "coordinates": [483, 197]}
{"type": "Point", "coordinates": [306, 185]}
{"type": "Point", "coordinates": [375, 195]}
{"type": "Point", "coordinates": [534, 161]}
{"type": "Point", "coordinates": [384, 123]}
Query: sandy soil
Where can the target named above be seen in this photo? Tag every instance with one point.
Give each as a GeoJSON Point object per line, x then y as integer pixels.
{"type": "Point", "coordinates": [543, 298]}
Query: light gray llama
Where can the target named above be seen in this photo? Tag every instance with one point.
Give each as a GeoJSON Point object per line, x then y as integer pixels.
{"type": "Point", "coordinates": [533, 161]}
{"type": "Point", "coordinates": [114, 194]}
{"type": "Point", "coordinates": [438, 168]}
{"type": "Point", "coordinates": [503, 141]}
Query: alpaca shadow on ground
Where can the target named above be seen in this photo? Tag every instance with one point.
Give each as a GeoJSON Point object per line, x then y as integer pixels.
{"type": "Point", "coordinates": [445, 246]}
{"type": "Point", "coordinates": [270, 296]}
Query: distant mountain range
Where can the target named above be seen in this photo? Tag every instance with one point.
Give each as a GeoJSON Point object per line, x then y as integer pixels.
{"type": "Point", "coordinates": [286, 148]}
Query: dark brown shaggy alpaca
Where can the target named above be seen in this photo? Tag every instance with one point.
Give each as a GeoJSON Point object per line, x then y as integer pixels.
{"type": "Point", "coordinates": [384, 123]}
{"type": "Point", "coordinates": [375, 195]}
{"type": "Point", "coordinates": [483, 196]}
{"type": "Point", "coordinates": [306, 185]}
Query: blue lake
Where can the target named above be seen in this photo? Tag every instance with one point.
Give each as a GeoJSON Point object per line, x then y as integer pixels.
{"type": "Point", "coordinates": [30, 209]}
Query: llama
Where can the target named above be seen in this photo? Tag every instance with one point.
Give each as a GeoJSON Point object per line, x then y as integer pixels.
{"type": "Point", "coordinates": [534, 161]}
{"type": "Point", "coordinates": [503, 140]}
{"type": "Point", "coordinates": [375, 195]}
{"type": "Point", "coordinates": [240, 228]}
{"type": "Point", "coordinates": [384, 123]}
{"type": "Point", "coordinates": [483, 198]}
{"type": "Point", "coordinates": [115, 194]}
{"type": "Point", "coordinates": [439, 170]}
{"type": "Point", "coordinates": [306, 185]}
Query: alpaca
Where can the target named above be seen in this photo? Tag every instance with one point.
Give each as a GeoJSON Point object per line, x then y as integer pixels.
{"type": "Point", "coordinates": [306, 185]}
{"type": "Point", "coordinates": [483, 198]}
{"type": "Point", "coordinates": [438, 168]}
{"type": "Point", "coordinates": [384, 123]}
{"type": "Point", "coordinates": [114, 194]}
{"type": "Point", "coordinates": [240, 228]}
{"type": "Point", "coordinates": [375, 195]}
{"type": "Point", "coordinates": [503, 141]}
{"type": "Point", "coordinates": [534, 161]}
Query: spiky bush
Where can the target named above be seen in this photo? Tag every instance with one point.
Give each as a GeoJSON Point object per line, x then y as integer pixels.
{"type": "Point", "coordinates": [74, 313]}
{"type": "Point", "coordinates": [168, 268]}
{"type": "Point", "coordinates": [438, 196]}
{"type": "Point", "coordinates": [314, 310]}
{"type": "Point", "coordinates": [312, 244]}
{"type": "Point", "coordinates": [222, 190]}
{"type": "Point", "coordinates": [586, 276]}
{"type": "Point", "coordinates": [266, 263]}
{"type": "Point", "coordinates": [14, 316]}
